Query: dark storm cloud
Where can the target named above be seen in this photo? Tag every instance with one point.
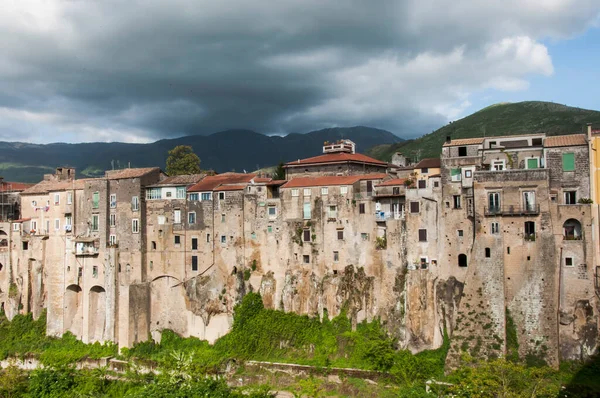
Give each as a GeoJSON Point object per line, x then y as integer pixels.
{"type": "Point", "coordinates": [139, 70]}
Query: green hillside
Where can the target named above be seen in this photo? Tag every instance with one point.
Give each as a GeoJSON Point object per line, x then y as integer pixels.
{"type": "Point", "coordinates": [499, 119]}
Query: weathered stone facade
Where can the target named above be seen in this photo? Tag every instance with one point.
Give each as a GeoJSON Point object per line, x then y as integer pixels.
{"type": "Point", "coordinates": [497, 230]}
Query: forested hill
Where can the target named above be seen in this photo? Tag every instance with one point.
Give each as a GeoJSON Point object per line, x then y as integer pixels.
{"type": "Point", "coordinates": [224, 151]}
{"type": "Point", "coordinates": [500, 119]}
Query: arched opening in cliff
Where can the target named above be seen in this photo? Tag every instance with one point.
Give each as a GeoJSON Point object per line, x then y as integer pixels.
{"type": "Point", "coordinates": [73, 315]}
{"type": "Point", "coordinates": [572, 229]}
{"type": "Point", "coordinates": [97, 314]}
{"type": "Point", "coordinates": [462, 260]}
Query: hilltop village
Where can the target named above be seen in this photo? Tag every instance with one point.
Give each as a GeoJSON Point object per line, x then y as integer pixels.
{"type": "Point", "coordinates": [498, 231]}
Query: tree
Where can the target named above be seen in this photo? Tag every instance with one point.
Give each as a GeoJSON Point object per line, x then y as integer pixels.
{"type": "Point", "coordinates": [279, 172]}
{"type": "Point", "coordinates": [182, 160]}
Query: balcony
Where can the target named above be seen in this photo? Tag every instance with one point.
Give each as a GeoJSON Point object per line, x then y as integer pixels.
{"type": "Point", "coordinates": [87, 246]}
{"type": "Point", "coordinates": [382, 216]}
{"type": "Point", "coordinates": [532, 210]}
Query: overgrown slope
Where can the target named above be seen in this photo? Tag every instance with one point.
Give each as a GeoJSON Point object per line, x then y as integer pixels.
{"type": "Point", "coordinates": [500, 119]}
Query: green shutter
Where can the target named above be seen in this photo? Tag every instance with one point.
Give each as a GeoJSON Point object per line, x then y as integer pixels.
{"type": "Point", "coordinates": [532, 163]}
{"type": "Point", "coordinates": [568, 161]}
{"type": "Point", "coordinates": [96, 200]}
{"type": "Point", "coordinates": [454, 172]}
{"type": "Point", "coordinates": [307, 214]}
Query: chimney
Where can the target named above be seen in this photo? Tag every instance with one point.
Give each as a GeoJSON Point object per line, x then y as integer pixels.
{"type": "Point", "coordinates": [448, 139]}
{"type": "Point", "coordinates": [589, 131]}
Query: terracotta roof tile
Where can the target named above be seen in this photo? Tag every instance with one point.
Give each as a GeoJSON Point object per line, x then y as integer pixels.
{"type": "Point", "coordinates": [14, 186]}
{"type": "Point", "coordinates": [211, 182]}
{"type": "Point", "coordinates": [430, 163]}
{"type": "Point", "coordinates": [565, 140]}
{"type": "Point", "coordinates": [392, 182]}
{"type": "Point", "coordinates": [231, 187]}
{"type": "Point", "coordinates": [336, 158]}
{"type": "Point", "coordinates": [322, 181]}
{"type": "Point", "coordinates": [465, 141]}
{"type": "Point", "coordinates": [259, 180]}
{"type": "Point", "coordinates": [129, 173]}
{"type": "Point", "coordinates": [188, 179]}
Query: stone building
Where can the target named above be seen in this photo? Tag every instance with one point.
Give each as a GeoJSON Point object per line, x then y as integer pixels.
{"type": "Point", "coordinates": [495, 232]}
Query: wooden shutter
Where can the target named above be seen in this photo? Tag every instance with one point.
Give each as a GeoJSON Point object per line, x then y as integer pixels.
{"type": "Point", "coordinates": [568, 160]}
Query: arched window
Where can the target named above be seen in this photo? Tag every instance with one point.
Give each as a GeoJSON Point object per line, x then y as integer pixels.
{"type": "Point", "coordinates": [572, 229]}
{"type": "Point", "coordinates": [462, 260]}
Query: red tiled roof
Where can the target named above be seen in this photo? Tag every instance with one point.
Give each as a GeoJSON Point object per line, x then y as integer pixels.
{"type": "Point", "coordinates": [565, 140]}
{"type": "Point", "coordinates": [230, 187]}
{"type": "Point", "coordinates": [337, 158]}
{"type": "Point", "coordinates": [276, 182]}
{"type": "Point", "coordinates": [14, 186]}
{"type": "Point", "coordinates": [259, 180]}
{"type": "Point", "coordinates": [129, 173]}
{"type": "Point", "coordinates": [22, 220]}
{"type": "Point", "coordinates": [392, 182]}
{"type": "Point", "coordinates": [465, 141]}
{"type": "Point", "coordinates": [322, 181]}
{"type": "Point", "coordinates": [430, 163]}
{"type": "Point", "coordinates": [211, 182]}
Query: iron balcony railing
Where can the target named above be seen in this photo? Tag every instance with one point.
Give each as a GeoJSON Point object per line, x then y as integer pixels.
{"type": "Point", "coordinates": [530, 210]}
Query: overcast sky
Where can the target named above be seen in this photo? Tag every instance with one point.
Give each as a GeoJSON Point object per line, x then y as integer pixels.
{"type": "Point", "coordinates": [140, 70]}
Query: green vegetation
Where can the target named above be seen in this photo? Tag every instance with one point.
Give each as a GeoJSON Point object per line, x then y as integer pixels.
{"type": "Point", "coordinates": [501, 119]}
{"type": "Point", "coordinates": [183, 160]}
{"type": "Point", "coordinates": [279, 173]}
{"type": "Point", "coordinates": [512, 341]}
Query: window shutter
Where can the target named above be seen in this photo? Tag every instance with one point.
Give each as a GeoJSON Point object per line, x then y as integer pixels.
{"type": "Point", "coordinates": [532, 163]}
{"type": "Point", "coordinates": [422, 235]}
{"type": "Point", "coordinates": [414, 207]}
{"type": "Point", "coordinates": [568, 161]}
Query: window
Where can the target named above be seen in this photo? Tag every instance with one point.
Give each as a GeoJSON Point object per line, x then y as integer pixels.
{"type": "Point", "coordinates": [494, 201]}
{"type": "Point", "coordinates": [529, 230]}
{"type": "Point", "coordinates": [529, 201]}
{"type": "Point", "coordinates": [180, 194]}
{"type": "Point", "coordinates": [364, 236]}
{"type": "Point", "coordinates": [112, 240]}
{"type": "Point", "coordinates": [95, 271]}
{"type": "Point", "coordinates": [193, 196]}
{"type": "Point", "coordinates": [16, 226]}
{"type": "Point", "coordinates": [112, 220]}
{"type": "Point", "coordinates": [533, 163]}
{"type": "Point", "coordinates": [47, 226]}
{"type": "Point", "coordinates": [336, 257]}
{"type": "Point", "coordinates": [414, 207]}
{"type": "Point", "coordinates": [307, 191]}
{"type": "Point", "coordinates": [95, 200]}
{"type": "Point", "coordinates": [25, 245]}
{"type": "Point", "coordinates": [460, 232]}
{"type": "Point", "coordinates": [424, 170]}
{"type": "Point", "coordinates": [424, 263]}
{"type": "Point", "coordinates": [207, 238]}
{"type": "Point", "coordinates": [569, 261]}
{"type": "Point", "coordinates": [468, 173]}
{"type": "Point", "coordinates": [95, 222]}
{"type": "Point", "coordinates": [206, 196]}
{"type": "Point", "coordinates": [508, 250]}
{"type": "Point", "coordinates": [135, 203]}
{"type": "Point", "coordinates": [422, 235]}
{"type": "Point", "coordinates": [269, 229]}
{"type": "Point", "coordinates": [152, 193]}
{"type": "Point", "coordinates": [168, 194]}
{"type": "Point", "coordinates": [222, 217]}
{"type": "Point", "coordinates": [161, 220]}
{"type": "Point", "coordinates": [456, 201]}
{"type": "Point", "coordinates": [221, 195]}
{"type": "Point", "coordinates": [324, 191]}
{"type": "Point", "coordinates": [332, 213]}
{"type": "Point", "coordinates": [272, 211]}
{"type": "Point", "coordinates": [177, 239]}
{"type": "Point", "coordinates": [436, 184]}
{"type": "Point", "coordinates": [422, 184]}
{"type": "Point", "coordinates": [570, 197]}
{"type": "Point", "coordinates": [34, 225]}
{"type": "Point", "coordinates": [568, 161]}
{"type": "Point", "coordinates": [153, 245]}
{"type": "Point", "coordinates": [176, 216]}
{"type": "Point", "coordinates": [343, 190]}
{"type": "Point", "coordinates": [306, 211]}
{"type": "Point", "coordinates": [194, 243]}
{"type": "Point", "coordinates": [194, 263]}
{"type": "Point", "coordinates": [462, 260]}
{"type": "Point", "coordinates": [498, 165]}
{"type": "Point", "coordinates": [495, 228]}
{"type": "Point", "coordinates": [488, 252]}
{"type": "Point", "coordinates": [306, 259]}
{"type": "Point", "coordinates": [113, 200]}
{"type": "Point", "coordinates": [455, 175]}
{"type": "Point", "coordinates": [306, 235]}
{"type": "Point", "coordinates": [536, 142]}
{"type": "Point", "coordinates": [369, 188]}
{"type": "Point", "coordinates": [462, 151]}
{"type": "Point", "coordinates": [56, 224]}
{"type": "Point", "coordinates": [223, 239]}
{"type": "Point", "coordinates": [69, 198]}
{"type": "Point", "coordinates": [340, 234]}
{"type": "Point", "coordinates": [56, 198]}
{"type": "Point", "coordinates": [135, 225]}
{"type": "Point", "coordinates": [295, 192]}
{"type": "Point", "coordinates": [396, 191]}
{"type": "Point", "coordinates": [33, 203]}
{"type": "Point", "coordinates": [361, 208]}
{"type": "Point", "coordinates": [572, 229]}
{"type": "Point", "coordinates": [192, 217]}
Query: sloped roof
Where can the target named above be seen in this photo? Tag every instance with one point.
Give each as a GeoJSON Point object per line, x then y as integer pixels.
{"type": "Point", "coordinates": [465, 141]}
{"type": "Point", "coordinates": [44, 187]}
{"type": "Point", "coordinates": [565, 140]}
{"type": "Point", "coordinates": [260, 180]}
{"type": "Point", "coordinates": [392, 182]}
{"type": "Point", "coordinates": [209, 183]}
{"type": "Point", "coordinates": [430, 163]}
{"type": "Point", "coordinates": [129, 173]}
{"type": "Point", "coordinates": [336, 158]}
{"type": "Point", "coordinates": [14, 186]}
{"type": "Point", "coordinates": [181, 180]}
{"type": "Point", "coordinates": [322, 181]}
{"type": "Point", "coordinates": [238, 187]}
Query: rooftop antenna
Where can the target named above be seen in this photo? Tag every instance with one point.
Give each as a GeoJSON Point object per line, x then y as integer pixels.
{"type": "Point", "coordinates": [128, 165]}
